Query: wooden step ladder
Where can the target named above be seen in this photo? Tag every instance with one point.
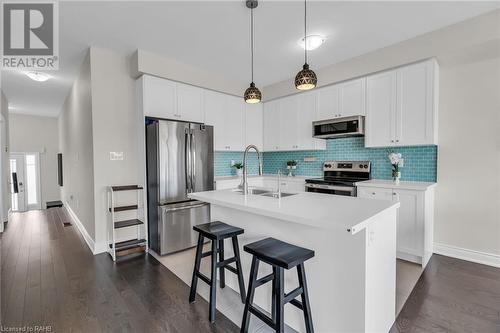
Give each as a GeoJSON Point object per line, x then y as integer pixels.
{"type": "Point", "coordinates": [128, 246]}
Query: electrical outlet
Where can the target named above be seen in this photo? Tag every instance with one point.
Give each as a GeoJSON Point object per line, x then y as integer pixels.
{"type": "Point", "coordinates": [233, 162]}
{"type": "Point", "coordinates": [402, 162]}
{"type": "Point", "coordinates": [116, 155]}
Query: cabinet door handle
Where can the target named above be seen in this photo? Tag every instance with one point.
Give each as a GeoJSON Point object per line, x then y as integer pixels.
{"type": "Point", "coordinates": [392, 140]}
{"type": "Point", "coordinates": [397, 140]}
{"type": "Point", "coordinates": [373, 193]}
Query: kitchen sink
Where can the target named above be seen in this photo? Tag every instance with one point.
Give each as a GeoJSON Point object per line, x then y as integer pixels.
{"type": "Point", "coordinates": [254, 191]}
{"type": "Point", "coordinates": [275, 195]}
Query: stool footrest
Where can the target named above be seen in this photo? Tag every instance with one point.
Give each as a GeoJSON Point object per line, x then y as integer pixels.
{"type": "Point", "coordinates": [204, 278]}
{"type": "Point", "coordinates": [232, 269]}
{"type": "Point", "coordinates": [291, 295]}
{"type": "Point", "coordinates": [297, 304]}
{"type": "Point", "coordinates": [226, 262]}
{"type": "Point", "coordinates": [262, 316]}
{"type": "Point", "coordinates": [208, 253]}
{"type": "Point", "coordinates": [264, 280]}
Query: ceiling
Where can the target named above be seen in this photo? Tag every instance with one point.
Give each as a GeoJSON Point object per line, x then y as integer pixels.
{"type": "Point", "coordinates": [214, 36]}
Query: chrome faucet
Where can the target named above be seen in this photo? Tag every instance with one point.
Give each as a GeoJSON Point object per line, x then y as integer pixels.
{"type": "Point", "coordinates": [244, 183]}
{"type": "Point", "coordinates": [279, 185]}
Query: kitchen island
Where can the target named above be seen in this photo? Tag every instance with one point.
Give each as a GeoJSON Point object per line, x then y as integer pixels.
{"type": "Point", "coordinates": [352, 278]}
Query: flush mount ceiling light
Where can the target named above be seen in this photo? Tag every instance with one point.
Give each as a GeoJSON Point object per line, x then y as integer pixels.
{"type": "Point", "coordinates": [38, 76]}
{"type": "Point", "coordinates": [313, 42]}
{"type": "Point", "coordinates": [305, 79]}
{"type": "Point", "coordinates": [252, 94]}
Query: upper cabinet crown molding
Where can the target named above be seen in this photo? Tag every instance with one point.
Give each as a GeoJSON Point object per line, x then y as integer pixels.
{"type": "Point", "coordinates": [402, 106]}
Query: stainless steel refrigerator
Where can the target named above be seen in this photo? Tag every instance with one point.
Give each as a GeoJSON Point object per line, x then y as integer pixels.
{"type": "Point", "coordinates": [179, 161]}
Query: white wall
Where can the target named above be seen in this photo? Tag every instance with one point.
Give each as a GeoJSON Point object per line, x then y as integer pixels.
{"type": "Point", "coordinates": [38, 134]}
{"type": "Point", "coordinates": [76, 145]}
{"type": "Point", "coordinates": [467, 205]}
{"type": "Point", "coordinates": [4, 161]}
{"type": "Point", "coordinates": [468, 195]}
{"type": "Point", "coordinates": [114, 122]}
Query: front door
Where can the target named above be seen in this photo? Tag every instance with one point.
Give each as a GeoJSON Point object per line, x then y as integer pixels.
{"type": "Point", "coordinates": [17, 183]}
{"type": "Point", "coordinates": [25, 181]}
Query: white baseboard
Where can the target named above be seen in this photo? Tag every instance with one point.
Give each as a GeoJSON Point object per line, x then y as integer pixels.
{"type": "Point", "coordinates": [484, 258]}
{"type": "Point", "coordinates": [81, 228]}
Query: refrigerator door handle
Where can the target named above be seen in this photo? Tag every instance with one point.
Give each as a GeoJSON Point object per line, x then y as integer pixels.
{"type": "Point", "coordinates": [193, 162]}
{"type": "Point", "coordinates": [188, 161]}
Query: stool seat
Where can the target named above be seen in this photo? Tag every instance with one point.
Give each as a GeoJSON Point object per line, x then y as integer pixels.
{"type": "Point", "coordinates": [218, 230]}
{"type": "Point", "coordinates": [278, 253]}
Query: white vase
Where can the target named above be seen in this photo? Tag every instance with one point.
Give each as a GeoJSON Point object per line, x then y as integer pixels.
{"type": "Point", "coordinates": [397, 177]}
{"type": "Point", "coordinates": [239, 172]}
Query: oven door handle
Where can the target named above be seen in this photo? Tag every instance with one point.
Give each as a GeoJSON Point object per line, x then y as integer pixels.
{"type": "Point", "coordinates": [330, 187]}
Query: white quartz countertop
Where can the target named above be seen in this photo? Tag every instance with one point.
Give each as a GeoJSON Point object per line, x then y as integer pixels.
{"type": "Point", "coordinates": [327, 211]}
{"type": "Point", "coordinates": [269, 176]}
{"type": "Point", "coordinates": [405, 185]}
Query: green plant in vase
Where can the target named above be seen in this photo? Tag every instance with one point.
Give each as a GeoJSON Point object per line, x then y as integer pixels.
{"type": "Point", "coordinates": [291, 165]}
{"type": "Point", "coordinates": [239, 168]}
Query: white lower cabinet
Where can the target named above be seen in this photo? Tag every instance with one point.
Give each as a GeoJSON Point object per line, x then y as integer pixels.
{"type": "Point", "coordinates": [295, 185]}
{"type": "Point", "coordinates": [415, 219]}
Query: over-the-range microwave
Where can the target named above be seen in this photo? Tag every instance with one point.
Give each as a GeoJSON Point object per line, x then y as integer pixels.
{"type": "Point", "coordinates": [339, 127]}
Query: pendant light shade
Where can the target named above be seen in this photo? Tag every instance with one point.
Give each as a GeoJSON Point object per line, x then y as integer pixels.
{"type": "Point", "coordinates": [252, 94]}
{"type": "Point", "coordinates": [305, 79]}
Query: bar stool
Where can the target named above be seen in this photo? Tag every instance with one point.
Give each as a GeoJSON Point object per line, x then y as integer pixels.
{"type": "Point", "coordinates": [280, 256]}
{"type": "Point", "coordinates": [217, 232]}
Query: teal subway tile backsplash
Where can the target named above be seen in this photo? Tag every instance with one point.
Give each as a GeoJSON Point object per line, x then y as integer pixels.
{"type": "Point", "coordinates": [420, 163]}
{"type": "Point", "coordinates": [222, 163]}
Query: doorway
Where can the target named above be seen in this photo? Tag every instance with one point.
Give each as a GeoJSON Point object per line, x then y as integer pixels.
{"type": "Point", "coordinates": [25, 181]}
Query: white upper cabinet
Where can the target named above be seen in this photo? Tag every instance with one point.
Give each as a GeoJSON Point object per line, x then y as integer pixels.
{"type": "Point", "coordinates": [416, 105]}
{"type": "Point", "coordinates": [307, 114]}
{"type": "Point", "coordinates": [254, 126]}
{"type": "Point", "coordinates": [402, 106]}
{"type": "Point", "coordinates": [158, 97]}
{"type": "Point", "coordinates": [189, 103]}
{"type": "Point", "coordinates": [352, 98]}
{"type": "Point", "coordinates": [341, 100]}
{"type": "Point", "coordinates": [225, 113]}
{"type": "Point", "coordinates": [381, 109]}
{"type": "Point", "coordinates": [328, 103]}
{"type": "Point", "coordinates": [289, 123]}
{"type": "Point", "coordinates": [215, 104]}
{"type": "Point", "coordinates": [234, 128]}
{"type": "Point", "coordinates": [272, 125]}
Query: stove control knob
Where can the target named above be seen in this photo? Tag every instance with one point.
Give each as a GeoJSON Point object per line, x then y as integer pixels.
{"type": "Point", "coordinates": [366, 166]}
{"type": "Point", "coordinates": [361, 166]}
{"type": "Point", "coordinates": [328, 166]}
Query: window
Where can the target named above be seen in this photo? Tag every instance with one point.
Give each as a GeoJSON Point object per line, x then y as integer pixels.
{"type": "Point", "coordinates": [31, 179]}
{"type": "Point", "coordinates": [13, 168]}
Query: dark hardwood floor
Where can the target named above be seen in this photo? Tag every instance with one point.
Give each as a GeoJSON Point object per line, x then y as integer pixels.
{"type": "Point", "coordinates": [453, 296]}
{"type": "Point", "coordinates": [49, 277]}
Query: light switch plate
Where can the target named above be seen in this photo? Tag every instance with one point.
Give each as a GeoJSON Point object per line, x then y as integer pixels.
{"type": "Point", "coordinates": [310, 159]}
{"type": "Point", "coordinates": [116, 155]}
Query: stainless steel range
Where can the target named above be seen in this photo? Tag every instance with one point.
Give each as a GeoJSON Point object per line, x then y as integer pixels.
{"type": "Point", "coordinates": [339, 177]}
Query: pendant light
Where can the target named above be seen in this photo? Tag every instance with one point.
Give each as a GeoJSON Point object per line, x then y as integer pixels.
{"type": "Point", "coordinates": [305, 79]}
{"type": "Point", "coordinates": [252, 94]}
